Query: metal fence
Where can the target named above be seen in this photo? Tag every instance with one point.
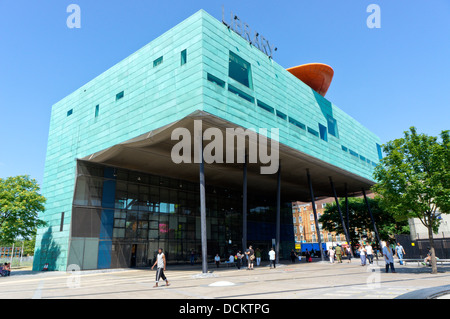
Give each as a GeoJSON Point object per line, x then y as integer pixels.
{"type": "Point", "coordinates": [17, 262]}
{"type": "Point", "coordinates": [418, 248]}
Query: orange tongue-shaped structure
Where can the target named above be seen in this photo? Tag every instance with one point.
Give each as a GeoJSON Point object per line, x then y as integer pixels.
{"type": "Point", "coordinates": [317, 76]}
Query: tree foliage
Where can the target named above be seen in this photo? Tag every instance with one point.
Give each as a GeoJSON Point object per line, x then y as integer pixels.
{"type": "Point", "coordinates": [20, 204]}
{"type": "Point", "coordinates": [359, 219]}
{"type": "Point", "coordinates": [414, 179]}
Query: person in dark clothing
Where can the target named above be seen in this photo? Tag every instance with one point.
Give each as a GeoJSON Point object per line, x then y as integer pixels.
{"type": "Point", "coordinates": [293, 256]}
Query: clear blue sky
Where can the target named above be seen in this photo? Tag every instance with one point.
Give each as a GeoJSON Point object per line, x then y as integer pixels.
{"type": "Point", "coordinates": [388, 79]}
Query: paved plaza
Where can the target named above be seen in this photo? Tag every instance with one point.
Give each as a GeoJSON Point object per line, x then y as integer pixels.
{"type": "Point", "coordinates": [315, 280]}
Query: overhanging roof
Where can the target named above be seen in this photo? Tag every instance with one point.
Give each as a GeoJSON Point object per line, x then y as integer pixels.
{"type": "Point", "coordinates": [151, 153]}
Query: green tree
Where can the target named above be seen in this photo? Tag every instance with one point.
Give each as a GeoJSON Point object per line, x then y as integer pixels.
{"type": "Point", "coordinates": [359, 219]}
{"type": "Point", "coordinates": [20, 204]}
{"type": "Point", "coordinates": [414, 180]}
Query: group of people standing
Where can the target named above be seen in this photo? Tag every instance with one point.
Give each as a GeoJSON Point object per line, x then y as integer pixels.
{"type": "Point", "coordinates": [337, 252]}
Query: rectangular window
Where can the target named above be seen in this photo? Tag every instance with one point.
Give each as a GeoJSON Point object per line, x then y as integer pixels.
{"type": "Point", "coordinates": [183, 57]}
{"type": "Point", "coordinates": [97, 109]}
{"type": "Point", "coordinates": [380, 154]}
{"type": "Point", "coordinates": [239, 70]}
{"type": "Point", "coordinates": [353, 153]}
{"type": "Point", "coordinates": [323, 132]}
{"type": "Point", "coordinates": [362, 158]}
{"type": "Point", "coordinates": [158, 61]}
{"type": "Point", "coordinates": [119, 95]}
{"type": "Point", "coordinates": [69, 112]}
{"type": "Point", "coordinates": [313, 132]}
{"type": "Point", "coordinates": [61, 226]}
{"type": "Point", "coordinates": [281, 115]}
{"type": "Point", "coordinates": [265, 107]}
{"type": "Point", "coordinates": [345, 149]}
{"type": "Point", "coordinates": [213, 79]}
{"type": "Point", "coordinates": [241, 94]}
{"type": "Point", "coordinates": [297, 123]}
{"type": "Point", "coordinates": [332, 126]}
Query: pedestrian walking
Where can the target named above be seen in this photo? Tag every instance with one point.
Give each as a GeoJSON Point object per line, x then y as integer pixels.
{"type": "Point", "coordinates": [160, 264]}
{"type": "Point", "coordinates": [308, 256]}
{"type": "Point", "coordinates": [331, 254]}
{"type": "Point", "coordinates": [272, 258]}
{"type": "Point", "coordinates": [258, 256]}
{"type": "Point", "coordinates": [362, 254]}
{"type": "Point", "coordinates": [349, 254]}
{"type": "Point", "coordinates": [293, 256]}
{"type": "Point", "coordinates": [239, 259]}
{"type": "Point", "coordinates": [369, 253]}
{"type": "Point", "coordinates": [388, 257]}
{"type": "Point", "coordinates": [251, 257]}
{"type": "Point", "coordinates": [400, 252]}
{"type": "Point", "coordinates": [192, 257]}
{"type": "Point", "coordinates": [339, 253]}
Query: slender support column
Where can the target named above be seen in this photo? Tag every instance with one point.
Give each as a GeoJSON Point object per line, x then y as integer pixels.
{"type": "Point", "coordinates": [203, 207]}
{"type": "Point", "coordinates": [244, 206]}
{"type": "Point", "coordinates": [315, 215]}
{"type": "Point", "coordinates": [278, 223]}
{"type": "Point", "coordinates": [348, 219]}
{"type": "Point", "coordinates": [340, 214]}
{"type": "Point", "coordinates": [371, 217]}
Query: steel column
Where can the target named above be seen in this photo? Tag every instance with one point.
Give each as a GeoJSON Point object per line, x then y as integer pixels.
{"type": "Point", "coordinates": [315, 215]}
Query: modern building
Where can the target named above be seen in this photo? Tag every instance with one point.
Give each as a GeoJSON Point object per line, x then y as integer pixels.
{"type": "Point", "coordinates": [114, 193]}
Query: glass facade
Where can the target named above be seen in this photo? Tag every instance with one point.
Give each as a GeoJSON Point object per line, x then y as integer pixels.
{"type": "Point", "coordinates": [127, 215]}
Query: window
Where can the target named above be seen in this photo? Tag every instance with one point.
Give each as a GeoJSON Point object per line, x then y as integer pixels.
{"type": "Point", "coordinates": [300, 220]}
{"type": "Point", "coordinates": [353, 153]}
{"type": "Point", "coordinates": [241, 94]}
{"type": "Point", "coordinates": [239, 70]}
{"type": "Point", "coordinates": [119, 95]}
{"type": "Point", "coordinates": [97, 109]}
{"type": "Point", "coordinates": [297, 123]}
{"type": "Point", "coordinates": [69, 112]}
{"type": "Point", "coordinates": [61, 226]}
{"type": "Point", "coordinates": [294, 220]}
{"type": "Point", "coordinates": [300, 228]}
{"type": "Point", "coordinates": [323, 132]}
{"type": "Point", "coordinates": [311, 216]}
{"type": "Point", "coordinates": [281, 115]}
{"type": "Point", "coordinates": [362, 158]}
{"type": "Point", "coordinates": [183, 57]}
{"type": "Point", "coordinates": [313, 132]}
{"type": "Point", "coordinates": [215, 80]}
{"type": "Point", "coordinates": [345, 149]}
{"type": "Point", "coordinates": [313, 228]}
{"type": "Point", "coordinates": [158, 61]}
{"type": "Point", "coordinates": [266, 107]}
{"type": "Point", "coordinates": [332, 126]}
{"type": "Point", "coordinates": [380, 154]}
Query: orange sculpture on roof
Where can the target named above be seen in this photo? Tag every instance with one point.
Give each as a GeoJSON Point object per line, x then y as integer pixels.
{"type": "Point", "coordinates": [317, 76]}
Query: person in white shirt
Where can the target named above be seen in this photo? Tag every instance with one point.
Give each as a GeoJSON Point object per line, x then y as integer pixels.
{"type": "Point", "coordinates": [331, 254]}
{"type": "Point", "coordinates": [369, 252]}
{"type": "Point", "coordinates": [388, 257]}
{"type": "Point", "coordinates": [272, 258]}
{"type": "Point", "coordinates": [217, 260]}
{"type": "Point", "coordinates": [231, 259]}
{"type": "Point", "coordinates": [160, 264]}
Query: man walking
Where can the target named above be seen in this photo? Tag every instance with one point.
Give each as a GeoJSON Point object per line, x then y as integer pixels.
{"type": "Point", "coordinates": [272, 259]}
{"type": "Point", "coordinates": [160, 264]}
{"type": "Point", "coordinates": [339, 254]}
{"type": "Point", "coordinates": [369, 253]}
{"type": "Point", "coordinates": [238, 259]}
{"type": "Point", "coordinates": [400, 252]}
{"type": "Point", "coordinates": [388, 257]}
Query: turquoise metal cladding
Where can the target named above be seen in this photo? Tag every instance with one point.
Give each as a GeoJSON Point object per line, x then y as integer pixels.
{"type": "Point", "coordinates": [154, 96]}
